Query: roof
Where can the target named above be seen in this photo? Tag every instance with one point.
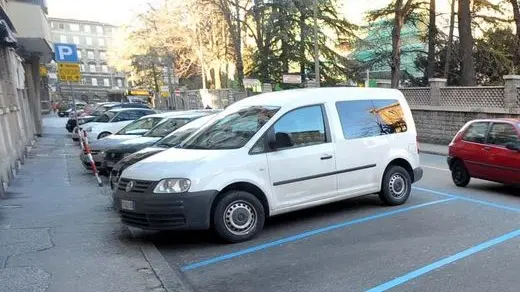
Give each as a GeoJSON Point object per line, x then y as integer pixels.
{"type": "Point", "coordinates": [127, 109]}
{"type": "Point", "coordinates": [184, 114]}
{"type": "Point", "coordinates": [298, 97]}
{"type": "Point", "coordinates": [81, 21]}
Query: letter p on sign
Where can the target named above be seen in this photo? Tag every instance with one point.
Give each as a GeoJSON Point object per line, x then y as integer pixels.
{"type": "Point", "coordinates": [65, 53]}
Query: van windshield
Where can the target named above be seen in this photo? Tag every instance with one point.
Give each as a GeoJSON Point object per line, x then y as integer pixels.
{"type": "Point", "coordinates": [232, 131]}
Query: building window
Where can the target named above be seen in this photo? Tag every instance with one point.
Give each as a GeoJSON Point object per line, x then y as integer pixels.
{"type": "Point", "coordinates": [99, 29]}
{"type": "Point", "coordinates": [63, 39]}
{"type": "Point", "coordinates": [90, 55]}
{"type": "Point", "coordinates": [83, 81]}
{"type": "Point", "coordinates": [82, 67]}
{"type": "Point", "coordinates": [103, 55]}
{"type": "Point", "coordinates": [104, 68]}
{"type": "Point", "coordinates": [76, 40]}
{"type": "Point", "coordinates": [119, 83]}
{"type": "Point", "coordinates": [106, 82]}
{"type": "Point", "coordinates": [53, 24]}
{"type": "Point", "coordinates": [86, 28]}
{"type": "Point", "coordinates": [79, 54]}
{"type": "Point", "coordinates": [74, 27]}
{"type": "Point", "coordinates": [88, 41]}
{"type": "Point", "coordinates": [92, 68]}
{"type": "Point", "coordinates": [94, 82]}
{"type": "Point", "coordinates": [61, 26]}
{"type": "Point", "coordinates": [101, 42]}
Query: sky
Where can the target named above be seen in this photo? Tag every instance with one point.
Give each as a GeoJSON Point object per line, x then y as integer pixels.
{"type": "Point", "coordinates": [121, 11]}
{"type": "Point", "coordinates": [115, 12]}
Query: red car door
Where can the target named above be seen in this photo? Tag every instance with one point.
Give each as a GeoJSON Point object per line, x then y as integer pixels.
{"type": "Point", "coordinates": [503, 164]}
{"type": "Point", "coordinates": [471, 147]}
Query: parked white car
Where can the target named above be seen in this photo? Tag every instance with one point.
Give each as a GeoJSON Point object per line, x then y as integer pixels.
{"type": "Point", "coordinates": [276, 153]}
{"type": "Point", "coordinates": [112, 121]}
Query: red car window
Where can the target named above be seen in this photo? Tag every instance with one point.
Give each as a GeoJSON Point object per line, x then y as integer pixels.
{"type": "Point", "coordinates": [502, 134]}
{"type": "Point", "coordinates": [476, 132]}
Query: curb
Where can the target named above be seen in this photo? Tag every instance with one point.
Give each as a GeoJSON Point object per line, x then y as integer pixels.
{"type": "Point", "coordinates": [172, 280]}
{"type": "Point", "coordinates": [442, 153]}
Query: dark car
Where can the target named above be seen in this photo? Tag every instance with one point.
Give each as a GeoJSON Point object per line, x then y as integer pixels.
{"type": "Point", "coordinates": [488, 150]}
{"type": "Point", "coordinates": [172, 140]}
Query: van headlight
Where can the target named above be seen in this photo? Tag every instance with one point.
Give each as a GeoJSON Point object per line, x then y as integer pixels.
{"type": "Point", "coordinates": [172, 186]}
{"type": "Point", "coordinates": [88, 129]}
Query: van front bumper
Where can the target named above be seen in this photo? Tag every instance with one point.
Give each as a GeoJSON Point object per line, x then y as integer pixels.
{"type": "Point", "coordinates": [144, 209]}
{"type": "Point", "coordinates": [417, 174]}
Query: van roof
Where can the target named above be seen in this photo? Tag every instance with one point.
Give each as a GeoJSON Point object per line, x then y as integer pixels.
{"type": "Point", "coordinates": [304, 96]}
{"type": "Point", "coordinates": [183, 114]}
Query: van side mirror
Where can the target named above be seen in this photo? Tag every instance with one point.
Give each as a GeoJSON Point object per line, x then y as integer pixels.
{"type": "Point", "coordinates": [513, 146]}
{"type": "Point", "coordinates": [279, 140]}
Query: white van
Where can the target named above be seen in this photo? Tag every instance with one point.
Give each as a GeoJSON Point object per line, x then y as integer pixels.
{"type": "Point", "coordinates": [276, 153]}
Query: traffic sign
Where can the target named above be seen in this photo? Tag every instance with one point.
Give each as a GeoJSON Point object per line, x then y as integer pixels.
{"type": "Point", "coordinates": [66, 53]}
{"type": "Point", "coordinates": [177, 92]}
{"type": "Point", "coordinates": [69, 72]}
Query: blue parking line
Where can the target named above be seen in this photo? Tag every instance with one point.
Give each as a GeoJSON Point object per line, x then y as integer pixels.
{"type": "Point", "coordinates": [305, 235]}
{"type": "Point", "coordinates": [465, 253]}
{"type": "Point", "coordinates": [494, 205]}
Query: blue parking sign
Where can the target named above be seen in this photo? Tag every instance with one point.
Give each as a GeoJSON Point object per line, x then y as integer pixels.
{"type": "Point", "coordinates": [66, 53]}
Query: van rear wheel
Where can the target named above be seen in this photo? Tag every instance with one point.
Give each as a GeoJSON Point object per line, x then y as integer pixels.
{"type": "Point", "coordinates": [238, 216]}
{"type": "Point", "coordinates": [396, 187]}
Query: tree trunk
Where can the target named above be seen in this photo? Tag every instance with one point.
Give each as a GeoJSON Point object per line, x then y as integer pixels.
{"type": "Point", "coordinates": [449, 46]}
{"type": "Point", "coordinates": [516, 14]}
{"type": "Point", "coordinates": [237, 42]}
{"type": "Point", "coordinates": [432, 34]}
{"type": "Point", "coordinates": [303, 37]}
{"type": "Point", "coordinates": [467, 77]}
{"type": "Point", "coordinates": [395, 64]}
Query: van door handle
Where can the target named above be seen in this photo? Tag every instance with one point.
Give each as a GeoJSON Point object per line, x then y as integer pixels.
{"type": "Point", "coordinates": [325, 157]}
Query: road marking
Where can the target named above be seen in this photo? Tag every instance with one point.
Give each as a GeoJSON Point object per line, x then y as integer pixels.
{"type": "Point", "coordinates": [433, 167]}
{"type": "Point", "coordinates": [490, 204]}
{"type": "Point", "coordinates": [306, 234]}
{"type": "Point", "coordinates": [440, 263]}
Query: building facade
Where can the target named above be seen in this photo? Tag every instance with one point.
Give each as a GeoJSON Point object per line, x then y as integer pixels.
{"type": "Point", "coordinates": [93, 40]}
{"type": "Point", "coordinates": [25, 44]}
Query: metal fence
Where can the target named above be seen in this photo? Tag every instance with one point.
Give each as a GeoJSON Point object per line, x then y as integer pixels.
{"type": "Point", "coordinates": [478, 97]}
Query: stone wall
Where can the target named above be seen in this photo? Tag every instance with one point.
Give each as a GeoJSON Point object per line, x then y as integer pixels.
{"type": "Point", "coordinates": [440, 111]}
{"type": "Point", "coordinates": [17, 119]}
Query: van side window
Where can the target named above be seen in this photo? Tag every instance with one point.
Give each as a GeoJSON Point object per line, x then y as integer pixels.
{"type": "Point", "coordinates": [302, 127]}
{"type": "Point", "coordinates": [369, 118]}
{"type": "Point", "coordinates": [476, 132]}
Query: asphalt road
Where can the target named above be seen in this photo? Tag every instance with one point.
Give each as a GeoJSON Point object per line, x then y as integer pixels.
{"type": "Point", "coordinates": [443, 239]}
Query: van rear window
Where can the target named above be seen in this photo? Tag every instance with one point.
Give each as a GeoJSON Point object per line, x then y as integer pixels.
{"type": "Point", "coordinates": [369, 118]}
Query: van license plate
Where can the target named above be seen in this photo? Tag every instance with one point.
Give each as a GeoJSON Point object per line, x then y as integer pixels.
{"type": "Point", "coordinates": [127, 205]}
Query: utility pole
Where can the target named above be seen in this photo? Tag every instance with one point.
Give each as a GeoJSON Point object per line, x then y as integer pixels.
{"type": "Point", "coordinates": [316, 47]}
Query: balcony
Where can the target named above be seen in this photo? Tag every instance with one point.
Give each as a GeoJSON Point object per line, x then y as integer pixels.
{"type": "Point", "coordinates": [32, 28]}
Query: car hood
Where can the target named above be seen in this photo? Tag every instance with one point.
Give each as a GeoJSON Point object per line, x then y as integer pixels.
{"type": "Point", "coordinates": [174, 162]}
{"type": "Point", "coordinates": [133, 145]}
{"type": "Point", "coordinates": [136, 157]}
{"type": "Point", "coordinates": [110, 141]}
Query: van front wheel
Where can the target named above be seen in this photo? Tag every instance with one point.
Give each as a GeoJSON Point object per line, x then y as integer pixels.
{"type": "Point", "coordinates": [396, 187]}
{"type": "Point", "coordinates": [238, 216]}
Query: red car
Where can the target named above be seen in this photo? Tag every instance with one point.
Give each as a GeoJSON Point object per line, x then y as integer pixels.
{"type": "Point", "coordinates": [486, 149]}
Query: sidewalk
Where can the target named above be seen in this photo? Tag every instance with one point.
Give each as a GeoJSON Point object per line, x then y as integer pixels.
{"type": "Point", "coordinates": [58, 232]}
{"type": "Point", "coordinates": [433, 149]}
